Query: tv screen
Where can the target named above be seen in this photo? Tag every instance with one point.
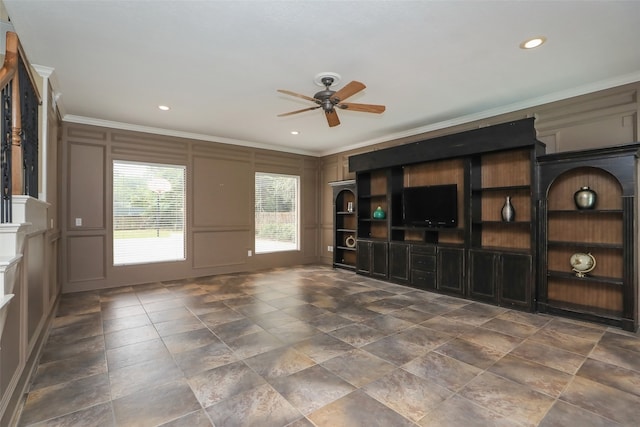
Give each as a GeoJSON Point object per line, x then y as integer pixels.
{"type": "Point", "coordinates": [430, 206]}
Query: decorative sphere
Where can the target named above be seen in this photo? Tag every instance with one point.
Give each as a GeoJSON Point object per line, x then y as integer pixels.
{"type": "Point", "coordinates": [582, 263]}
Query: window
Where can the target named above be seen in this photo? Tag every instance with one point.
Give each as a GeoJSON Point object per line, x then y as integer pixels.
{"type": "Point", "coordinates": [148, 213]}
{"type": "Point", "coordinates": [276, 213]}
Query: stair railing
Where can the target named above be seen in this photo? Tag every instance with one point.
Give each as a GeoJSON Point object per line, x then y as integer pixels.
{"type": "Point", "coordinates": [19, 101]}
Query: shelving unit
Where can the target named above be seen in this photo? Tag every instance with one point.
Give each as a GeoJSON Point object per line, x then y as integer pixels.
{"type": "Point", "coordinates": [607, 294]}
{"type": "Point", "coordinates": [486, 165]}
{"type": "Point", "coordinates": [344, 224]}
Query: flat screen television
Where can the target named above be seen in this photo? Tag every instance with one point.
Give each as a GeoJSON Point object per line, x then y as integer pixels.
{"type": "Point", "coordinates": [430, 206]}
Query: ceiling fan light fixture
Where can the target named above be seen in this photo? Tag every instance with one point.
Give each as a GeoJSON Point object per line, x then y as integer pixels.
{"type": "Point", "coordinates": [533, 42]}
{"type": "Point", "coordinates": [320, 77]}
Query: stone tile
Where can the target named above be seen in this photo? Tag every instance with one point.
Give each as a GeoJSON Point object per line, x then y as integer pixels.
{"type": "Point", "coordinates": [497, 341]}
{"type": "Point", "coordinates": [566, 342]}
{"type": "Point", "coordinates": [395, 349]}
{"type": "Point", "coordinates": [621, 340]}
{"type": "Point", "coordinates": [587, 331]}
{"type": "Point", "coordinates": [65, 370]}
{"type": "Point", "coordinates": [321, 347]}
{"type": "Point", "coordinates": [223, 382]}
{"type": "Point", "coordinates": [358, 367]}
{"type": "Point", "coordinates": [177, 326]}
{"type": "Point", "coordinates": [189, 340]}
{"type": "Point", "coordinates": [136, 353]}
{"type": "Point", "coordinates": [411, 315]}
{"type": "Point", "coordinates": [237, 328]}
{"type": "Point", "coordinates": [407, 394]}
{"type": "Point", "coordinates": [130, 336]}
{"type": "Point", "coordinates": [167, 402]}
{"type": "Point", "coordinates": [194, 419]}
{"type": "Point", "coordinates": [613, 355]}
{"type": "Point", "coordinates": [74, 332]}
{"type": "Point", "coordinates": [563, 414]}
{"type": "Point", "coordinates": [458, 411]}
{"type": "Point", "coordinates": [357, 334]}
{"type": "Point", "coordinates": [293, 332]}
{"type": "Point", "coordinates": [100, 415]}
{"type": "Point", "coordinates": [259, 406]}
{"type": "Point", "coordinates": [329, 322]}
{"type": "Point", "coordinates": [120, 323]}
{"type": "Point", "coordinates": [357, 410]}
{"type": "Point", "coordinates": [549, 356]}
{"type": "Point", "coordinates": [204, 358]}
{"type": "Point", "coordinates": [171, 313]}
{"type": "Point", "coordinates": [117, 312]}
{"type": "Point", "coordinates": [52, 352]}
{"type": "Point", "coordinates": [280, 362]}
{"type": "Point", "coordinates": [143, 376]}
{"type": "Point", "coordinates": [443, 370]}
{"type": "Point", "coordinates": [467, 316]}
{"type": "Point", "coordinates": [312, 388]}
{"type": "Point", "coordinates": [611, 375]}
{"type": "Point", "coordinates": [166, 305]}
{"type": "Point", "coordinates": [603, 400]}
{"type": "Point", "coordinates": [448, 326]}
{"type": "Point", "coordinates": [529, 319]}
{"type": "Point", "coordinates": [512, 400]}
{"type": "Point", "coordinates": [388, 324]}
{"type": "Point", "coordinates": [65, 398]}
{"type": "Point", "coordinates": [510, 327]}
{"type": "Point", "coordinates": [470, 353]}
{"type": "Point", "coordinates": [220, 317]}
{"type": "Point", "coordinates": [539, 377]}
{"type": "Point", "coordinates": [252, 344]}
{"type": "Point", "coordinates": [304, 312]}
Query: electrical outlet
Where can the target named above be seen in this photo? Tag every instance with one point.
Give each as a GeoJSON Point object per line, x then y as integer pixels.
{"type": "Point", "coordinates": [330, 248]}
{"type": "Point", "coordinates": [78, 222]}
{"type": "Point", "coordinates": [249, 253]}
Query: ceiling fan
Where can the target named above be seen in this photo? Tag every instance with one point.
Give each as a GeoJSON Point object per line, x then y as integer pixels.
{"type": "Point", "coordinates": [329, 100]}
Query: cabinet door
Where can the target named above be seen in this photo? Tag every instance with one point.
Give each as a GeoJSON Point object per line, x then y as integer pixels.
{"type": "Point", "coordinates": [399, 262]}
{"type": "Point", "coordinates": [483, 275]}
{"type": "Point", "coordinates": [363, 258]}
{"type": "Point", "coordinates": [516, 275]}
{"type": "Point", "coordinates": [379, 259]}
{"type": "Point", "coordinates": [450, 269]}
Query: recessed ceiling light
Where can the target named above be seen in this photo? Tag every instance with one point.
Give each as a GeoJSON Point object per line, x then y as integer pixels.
{"type": "Point", "coordinates": [163, 107]}
{"type": "Point", "coordinates": [295, 132]}
{"type": "Point", "coordinates": [534, 42]}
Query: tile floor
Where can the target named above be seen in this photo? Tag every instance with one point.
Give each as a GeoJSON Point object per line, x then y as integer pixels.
{"type": "Point", "coordinates": [312, 346]}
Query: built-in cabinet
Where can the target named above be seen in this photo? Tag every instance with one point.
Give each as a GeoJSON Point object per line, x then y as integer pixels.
{"type": "Point", "coordinates": [344, 224]}
{"type": "Point", "coordinates": [481, 255]}
{"type": "Point", "coordinates": [519, 260]}
{"type": "Point", "coordinates": [608, 293]}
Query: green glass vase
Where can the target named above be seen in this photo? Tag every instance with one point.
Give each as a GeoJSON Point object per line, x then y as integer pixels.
{"type": "Point", "coordinates": [379, 213]}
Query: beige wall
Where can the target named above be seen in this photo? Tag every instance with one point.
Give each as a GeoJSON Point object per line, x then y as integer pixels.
{"type": "Point", "coordinates": [604, 118]}
{"type": "Point", "coordinates": [220, 187]}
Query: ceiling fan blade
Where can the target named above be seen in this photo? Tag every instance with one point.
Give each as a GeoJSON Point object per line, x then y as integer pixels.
{"type": "Point", "coordinates": [366, 108]}
{"type": "Point", "coordinates": [332, 118]}
{"type": "Point", "coordinates": [347, 91]}
{"type": "Point", "coordinates": [288, 92]}
{"type": "Point", "coordinates": [299, 111]}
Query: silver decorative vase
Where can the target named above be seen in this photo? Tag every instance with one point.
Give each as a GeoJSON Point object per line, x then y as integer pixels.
{"type": "Point", "coordinates": [508, 212]}
{"type": "Point", "coordinates": [585, 198]}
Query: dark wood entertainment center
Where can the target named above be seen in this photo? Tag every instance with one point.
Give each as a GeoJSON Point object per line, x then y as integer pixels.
{"type": "Point", "coordinates": [522, 263]}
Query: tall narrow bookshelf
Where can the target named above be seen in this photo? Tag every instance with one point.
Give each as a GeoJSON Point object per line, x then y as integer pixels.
{"type": "Point", "coordinates": [344, 224]}
{"type": "Point", "coordinates": [608, 293]}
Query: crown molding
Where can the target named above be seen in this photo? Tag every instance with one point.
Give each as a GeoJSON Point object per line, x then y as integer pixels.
{"type": "Point", "coordinates": [70, 118]}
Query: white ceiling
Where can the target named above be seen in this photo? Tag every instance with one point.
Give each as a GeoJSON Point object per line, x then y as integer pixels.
{"type": "Point", "coordinates": [218, 64]}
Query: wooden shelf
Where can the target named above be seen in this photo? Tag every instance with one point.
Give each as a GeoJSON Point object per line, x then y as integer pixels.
{"type": "Point", "coordinates": [503, 188]}
{"type": "Point", "coordinates": [585, 245]}
{"type": "Point", "coordinates": [588, 278]}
